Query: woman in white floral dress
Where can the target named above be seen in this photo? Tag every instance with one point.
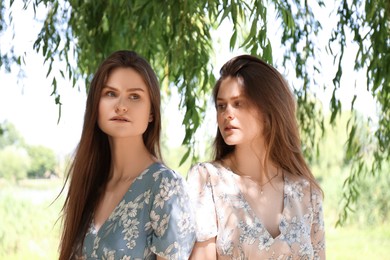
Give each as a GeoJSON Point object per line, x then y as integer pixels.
{"type": "Point", "coordinates": [122, 202]}
{"type": "Point", "coordinates": [258, 199]}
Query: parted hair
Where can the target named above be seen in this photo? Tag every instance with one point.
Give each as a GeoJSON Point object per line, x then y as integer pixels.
{"type": "Point", "coordinates": [90, 169]}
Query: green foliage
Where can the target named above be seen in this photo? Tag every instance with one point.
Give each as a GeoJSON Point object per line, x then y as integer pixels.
{"type": "Point", "coordinates": [14, 163]}
{"type": "Point", "coordinates": [332, 169]}
{"type": "Point", "coordinates": [43, 161]}
{"type": "Point", "coordinates": [9, 135]}
{"type": "Point", "coordinates": [19, 160]}
{"type": "Point", "coordinates": [28, 227]}
{"type": "Point", "coordinates": [175, 37]}
{"type": "Point", "coordinates": [369, 22]}
{"type": "Point", "coordinates": [14, 160]}
{"type": "Point", "coordinates": [7, 57]}
{"type": "Point", "coordinates": [374, 199]}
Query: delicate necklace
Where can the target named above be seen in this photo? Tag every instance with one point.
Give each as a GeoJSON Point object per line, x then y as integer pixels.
{"type": "Point", "coordinates": [257, 183]}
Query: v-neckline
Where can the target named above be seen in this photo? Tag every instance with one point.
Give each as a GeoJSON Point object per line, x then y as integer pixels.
{"type": "Point", "coordinates": [249, 206]}
{"type": "Point", "coordinates": [93, 227]}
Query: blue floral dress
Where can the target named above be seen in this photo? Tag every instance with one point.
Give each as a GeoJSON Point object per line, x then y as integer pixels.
{"type": "Point", "coordinates": [223, 212]}
{"type": "Point", "coordinates": [153, 218]}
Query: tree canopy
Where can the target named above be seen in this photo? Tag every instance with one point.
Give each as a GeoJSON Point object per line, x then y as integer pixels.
{"type": "Point", "coordinates": [175, 36]}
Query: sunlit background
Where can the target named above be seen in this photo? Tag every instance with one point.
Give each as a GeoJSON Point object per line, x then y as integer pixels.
{"type": "Point", "coordinates": [28, 215]}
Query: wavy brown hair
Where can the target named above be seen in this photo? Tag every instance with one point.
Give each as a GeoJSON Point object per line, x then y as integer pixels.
{"type": "Point", "coordinates": [90, 169]}
{"type": "Point", "coordinates": [266, 88]}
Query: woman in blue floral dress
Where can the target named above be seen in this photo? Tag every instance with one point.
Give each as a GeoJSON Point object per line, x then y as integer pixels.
{"type": "Point", "coordinates": [122, 202]}
{"type": "Point", "coordinates": [258, 199]}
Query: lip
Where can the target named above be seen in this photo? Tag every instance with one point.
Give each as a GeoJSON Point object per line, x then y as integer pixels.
{"type": "Point", "coordinates": [120, 119]}
{"type": "Point", "coordinates": [229, 128]}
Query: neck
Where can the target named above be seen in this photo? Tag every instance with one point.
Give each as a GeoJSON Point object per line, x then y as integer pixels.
{"type": "Point", "coordinates": [129, 157]}
{"type": "Point", "coordinates": [250, 161]}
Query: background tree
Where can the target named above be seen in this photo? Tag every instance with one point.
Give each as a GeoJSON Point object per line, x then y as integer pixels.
{"type": "Point", "coordinates": [175, 37]}
{"type": "Point", "coordinates": [14, 162]}
{"type": "Point", "coordinates": [10, 136]}
{"type": "Point", "coordinates": [43, 161]}
{"type": "Point", "coordinates": [14, 159]}
{"type": "Point", "coordinates": [19, 160]}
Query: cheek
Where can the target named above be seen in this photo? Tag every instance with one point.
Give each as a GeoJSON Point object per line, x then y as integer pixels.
{"type": "Point", "coordinates": [101, 110]}
{"type": "Point", "coordinates": [220, 124]}
{"type": "Point", "coordinates": [143, 113]}
{"type": "Point", "coordinates": [258, 127]}
{"type": "Point", "coordinates": [219, 118]}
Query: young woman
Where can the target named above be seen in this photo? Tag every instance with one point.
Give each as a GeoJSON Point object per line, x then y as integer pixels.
{"type": "Point", "coordinates": [258, 198]}
{"type": "Point", "coordinates": [122, 202]}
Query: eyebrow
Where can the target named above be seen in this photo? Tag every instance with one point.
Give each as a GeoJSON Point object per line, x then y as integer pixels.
{"type": "Point", "coordinates": [127, 90]}
{"type": "Point", "coordinates": [232, 98]}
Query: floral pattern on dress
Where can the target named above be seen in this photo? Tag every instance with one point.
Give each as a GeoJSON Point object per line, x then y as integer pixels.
{"type": "Point", "coordinates": [153, 218]}
{"type": "Point", "coordinates": [240, 234]}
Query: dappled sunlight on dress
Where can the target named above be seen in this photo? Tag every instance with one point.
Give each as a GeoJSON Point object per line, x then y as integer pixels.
{"type": "Point", "coordinates": [223, 211]}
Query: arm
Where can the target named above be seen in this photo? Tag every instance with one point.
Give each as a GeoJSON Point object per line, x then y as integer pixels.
{"type": "Point", "coordinates": [201, 194]}
{"type": "Point", "coordinates": [204, 250]}
{"type": "Point", "coordinates": [172, 221]}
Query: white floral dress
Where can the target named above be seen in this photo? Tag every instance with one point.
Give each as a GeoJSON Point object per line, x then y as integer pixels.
{"type": "Point", "coordinates": [223, 212]}
{"type": "Point", "coordinates": [153, 218]}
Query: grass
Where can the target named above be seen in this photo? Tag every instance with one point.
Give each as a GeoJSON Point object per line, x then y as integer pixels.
{"type": "Point", "coordinates": [28, 228]}
{"type": "Point", "coordinates": [358, 242]}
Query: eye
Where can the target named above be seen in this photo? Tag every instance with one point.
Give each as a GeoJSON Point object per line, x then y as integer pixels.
{"type": "Point", "coordinates": [110, 93]}
{"type": "Point", "coordinates": [134, 97]}
{"type": "Point", "coordinates": [221, 106]}
{"type": "Point", "coordinates": [237, 103]}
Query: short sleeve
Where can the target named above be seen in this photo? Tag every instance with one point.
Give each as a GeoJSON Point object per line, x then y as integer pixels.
{"type": "Point", "coordinates": [318, 227]}
{"type": "Point", "coordinates": [201, 194]}
{"type": "Point", "coordinates": [171, 219]}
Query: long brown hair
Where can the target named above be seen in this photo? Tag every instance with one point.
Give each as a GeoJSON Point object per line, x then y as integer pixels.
{"type": "Point", "coordinates": [89, 171]}
{"type": "Point", "coordinates": [266, 88]}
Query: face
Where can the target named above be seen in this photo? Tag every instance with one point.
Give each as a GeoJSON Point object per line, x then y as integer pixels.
{"type": "Point", "coordinates": [238, 120]}
{"type": "Point", "coordinates": [124, 107]}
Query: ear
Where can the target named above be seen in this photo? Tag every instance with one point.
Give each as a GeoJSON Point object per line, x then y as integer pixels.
{"type": "Point", "coordinates": [150, 117]}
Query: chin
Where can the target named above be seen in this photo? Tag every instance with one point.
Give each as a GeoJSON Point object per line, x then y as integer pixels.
{"type": "Point", "coordinates": [230, 141]}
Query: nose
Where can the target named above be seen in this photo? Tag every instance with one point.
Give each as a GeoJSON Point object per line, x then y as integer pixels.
{"type": "Point", "coordinates": [229, 115]}
{"type": "Point", "coordinates": [121, 107]}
